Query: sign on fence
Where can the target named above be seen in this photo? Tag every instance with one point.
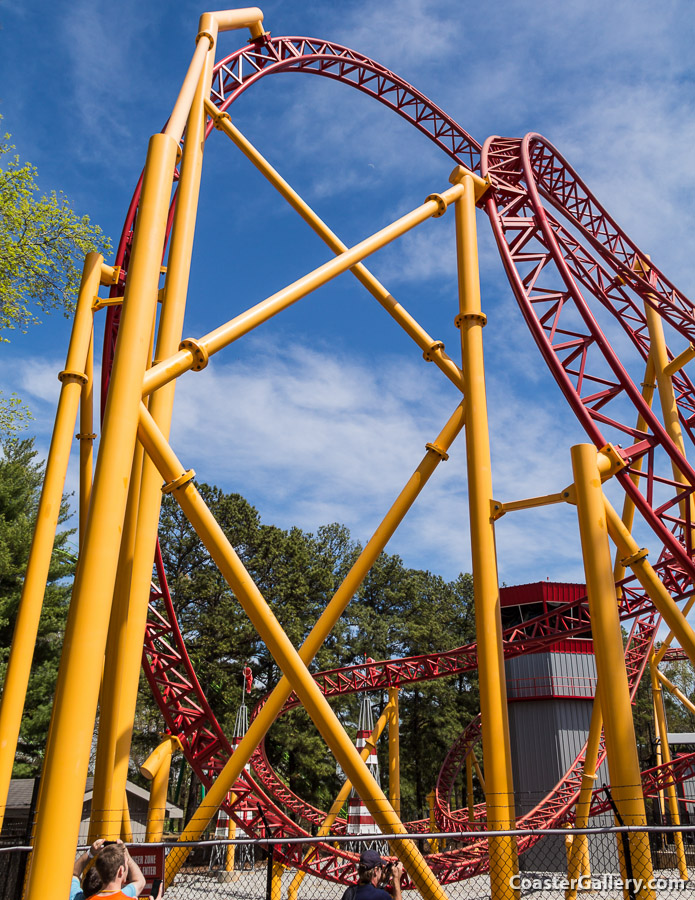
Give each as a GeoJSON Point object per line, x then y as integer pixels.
{"type": "Point", "coordinates": [150, 860]}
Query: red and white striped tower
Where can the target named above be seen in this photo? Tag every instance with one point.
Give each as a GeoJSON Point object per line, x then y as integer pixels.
{"type": "Point", "coordinates": [222, 824]}
{"type": "Point", "coordinates": [241, 723]}
{"type": "Point", "coordinates": [360, 820]}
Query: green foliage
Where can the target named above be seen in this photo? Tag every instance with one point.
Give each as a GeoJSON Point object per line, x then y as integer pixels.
{"type": "Point", "coordinates": [42, 245]}
{"type": "Point", "coordinates": [681, 674]}
{"type": "Point", "coordinates": [20, 484]}
{"type": "Point", "coordinates": [396, 612]}
{"type": "Point", "coordinates": [13, 415]}
{"type": "Point", "coordinates": [678, 718]}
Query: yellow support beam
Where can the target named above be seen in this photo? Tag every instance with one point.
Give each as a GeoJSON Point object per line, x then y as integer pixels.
{"type": "Point", "coordinates": [73, 379]}
{"type": "Point", "coordinates": [434, 842]}
{"type": "Point", "coordinates": [676, 691]}
{"type": "Point", "coordinates": [341, 798]}
{"type": "Point", "coordinates": [493, 695]}
{"type": "Point", "coordinates": [679, 361]}
{"type": "Point", "coordinates": [194, 353]}
{"type": "Point", "coordinates": [499, 509]}
{"type": "Point", "coordinates": [156, 769]}
{"type": "Point", "coordinates": [579, 857]}
{"type": "Point", "coordinates": [628, 516]}
{"type": "Point", "coordinates": [669, 407]}
{"type": "Point", "coordinates": [179, 482]}
{"type": "Point", "coordinates": [667, 641]}
{"type": "Point", "coordinates": [436, 453]}
{"type": "Point", "coordinates": [208, 27]}
{"type": "Point", "coordinates": [394, 753]}
{"type": "Point", "coordinates": [613, 687]}
{"type": "Point", "coordinates": [470, 801]}
{"type": "Point", "coordinates": [231, 835]}
{"type": "Point", "coordinates": [662, 731]}
{"type": "Point", "coordinates": [105, 820]}
{"type": "Point", "coordinates": [478, 772]}
{"type": "Point", "coordinates": [635, 557]}
{"type": "Point", "coordinates": [432, 350]}
{"type": "Point", "coordinates": [126, 824]}
{"type": "Point", "coordinates": [86, 436]}
{"type": "Point", "coordinates": [125, 644]}
{"type": "Point", "coordinates": [276, 880]}
{"type": "Point", "coordinates": [77, 691]}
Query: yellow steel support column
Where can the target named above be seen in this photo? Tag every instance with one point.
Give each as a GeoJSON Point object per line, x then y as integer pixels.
{"type": "Point", "coordinates": [210, 23]}
{"type": "Point", "coordinates": [434, 842]}
{"type": "Point", "coordinates": [105, 819]}
{"type": "Point", "coordinates": [86, 436]}
{"type": "Point", "coordinates": [126, 825]}
{"type": "Point", "coordinates": [470, 802]}
{"type": "Point", "coordinates": [156, 768]}
{"type": "Point", "coordinates": [179, 482]}
{"type": "Point", "coordinates": [613, 687]}
{"type": "Point", "coordinates": [276, 880]}
{"type": "Point", "coordinates": [666, 758]}
{"type": "Point", "coordinates": [72, 724]}
{"type": "Point", "coordinates": [493, 697]}
{"type": "Point", "coordinates": [636, 558]}
{"type": "Point", "coordinates": [628, 516]}
{"type": "Point", "coordinates": [436, 453]}
{"type": "Point", "coordinates": [341, 798]}
{"type": "Point", "coordinates": [666, 643]}
{"type": "Point", "coordinates": [116, 725]}
{"type": "Point", "coordinates": [479, 773]}
{"type": "Point", "coordinates": [677, 693]}
{"type": "Point", "coordinates": [659, 761]}
{"type": "Point", "coordinates": [579, 858]}
{"type": "Point", "coordinates": [231, 834]}
{"type": "Point", "coordinates": [29, 612]}
{"type": "Point", "coordinates": [669, 407]}
{"type": "Point", "coordinates": [394, 753]}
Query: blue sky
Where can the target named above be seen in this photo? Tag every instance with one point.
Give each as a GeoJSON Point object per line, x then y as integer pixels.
{"type": "Point", "coordinates": [322, 414]}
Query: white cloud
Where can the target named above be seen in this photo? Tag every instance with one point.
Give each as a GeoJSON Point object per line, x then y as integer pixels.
{"type": "Point", "coordinates": [310, 437]}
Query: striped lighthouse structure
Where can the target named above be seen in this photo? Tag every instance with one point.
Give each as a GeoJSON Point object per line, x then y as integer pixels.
{"type": "Point", "coordinates": [360, 820]}
{"type": "Point", "coordinates": [230, 857]}
{"type": "Point", "coordinates": [222, 824]}
{"type": "Point", "coordinates": [241, 723]}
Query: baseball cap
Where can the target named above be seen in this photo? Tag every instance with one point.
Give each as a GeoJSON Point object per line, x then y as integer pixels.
{"type": "Point", "coordinates": [370, 858]}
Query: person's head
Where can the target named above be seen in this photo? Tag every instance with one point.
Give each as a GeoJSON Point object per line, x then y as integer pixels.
{"type": "Point", "coordinates": [370, 867]}
{"type": "Point", "coordinates": [111, 864]}
{"type": "Point", "coordinates": [91, 883]}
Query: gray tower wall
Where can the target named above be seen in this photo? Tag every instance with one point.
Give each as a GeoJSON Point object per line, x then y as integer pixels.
{"type": "Point", "coordinates": [549, 724]}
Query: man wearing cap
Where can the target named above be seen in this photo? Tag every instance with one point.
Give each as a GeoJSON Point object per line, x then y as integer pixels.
{"type": "Point", "coordinates": [371, 871]}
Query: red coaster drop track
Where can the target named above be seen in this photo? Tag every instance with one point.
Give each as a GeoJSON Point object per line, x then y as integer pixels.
{"type": "Point", "coordinates": [567, 262]}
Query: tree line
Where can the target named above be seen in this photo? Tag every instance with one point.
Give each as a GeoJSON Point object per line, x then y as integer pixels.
{"type": "Point", "coordinates": [397, 611]}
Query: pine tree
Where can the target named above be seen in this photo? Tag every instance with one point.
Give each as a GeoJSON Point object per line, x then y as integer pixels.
{"type": "Point", "coordinates": [20, 484]}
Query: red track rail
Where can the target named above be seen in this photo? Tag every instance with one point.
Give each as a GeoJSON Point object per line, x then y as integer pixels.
{"type": "Point", "coordinates": [533, 247]}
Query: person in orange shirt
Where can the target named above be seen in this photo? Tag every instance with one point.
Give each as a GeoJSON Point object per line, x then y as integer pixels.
{"type": "Point", "coordinates": [119, 874]}
{"type": "Point", "coordinates": [114, 873]}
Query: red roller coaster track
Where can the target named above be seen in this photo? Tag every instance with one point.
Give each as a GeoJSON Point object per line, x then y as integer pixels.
{"type": "Point", "coordinates": [560, 274]}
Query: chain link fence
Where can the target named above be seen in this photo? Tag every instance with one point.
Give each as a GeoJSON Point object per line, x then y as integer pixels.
{"type": "Point", "coordinates": [553, 864]}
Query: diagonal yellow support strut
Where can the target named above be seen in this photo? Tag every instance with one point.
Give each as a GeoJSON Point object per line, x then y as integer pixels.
{"type": "Point", "coordinates": [432, 350]}
{"type": "Point", "coordinates": [180, 484]}
{"type": "Point", "coordinates": [215, 796]}
{"type": "Point", "coordinates": [195, 353]}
